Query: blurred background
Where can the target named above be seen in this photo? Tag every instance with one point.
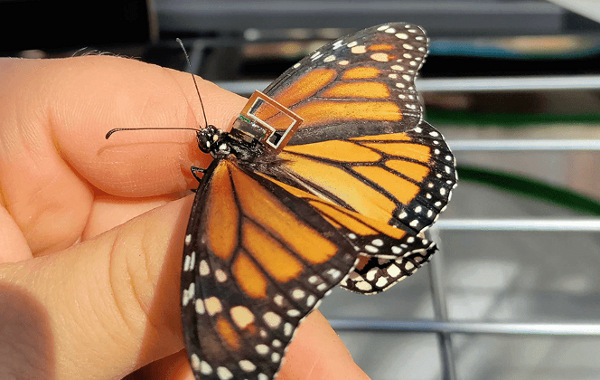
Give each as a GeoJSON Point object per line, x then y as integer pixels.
{"type": "Point", "coordinates": [514, 292]}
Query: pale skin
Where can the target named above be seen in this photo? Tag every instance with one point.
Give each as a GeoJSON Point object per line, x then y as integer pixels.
{"type": "Point", "coordinates": [91, 231]}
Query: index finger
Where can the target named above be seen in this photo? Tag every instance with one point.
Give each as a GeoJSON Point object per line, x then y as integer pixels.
{"type": "Point", "coordinates": [112, 93]}
{"type": "Point", "coordinates": [74, 102]}
{"type": "Point", "coordinates": [54, 116]}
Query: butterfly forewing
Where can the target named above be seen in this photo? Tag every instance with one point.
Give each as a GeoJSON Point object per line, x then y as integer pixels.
{"type": "Point", "coordinates": [258, 261]}
{"type": "Point", "coordinates": [363, 83]}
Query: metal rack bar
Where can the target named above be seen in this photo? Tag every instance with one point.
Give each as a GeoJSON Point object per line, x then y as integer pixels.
{"type": "Point", "coordinates": [546, 225]}
{"type": "Point", "coordinates": [516, 83]}
{"type": "Point", "coordinates": [511, 145]}
{"type": "Point", "coordinates": [523, 83]}
{"type": "Point", "coordinates": [440, 309]}
{"type": "Point", "coordinates": [468, 327]}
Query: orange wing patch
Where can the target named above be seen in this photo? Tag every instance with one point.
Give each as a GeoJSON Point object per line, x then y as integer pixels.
{"type": "Point", "coordinates": [273, 216]}
{"type": "Point", "coordinates": [220, 203]}
{"type": "Point", "coordinates": [305, 87]}
{"type": "Point", "coordinates": [371, 90]}
{"type": "Point", "coordinates": [270, 254]}
{"type": "Point", "coordinates": [355, 170]}
{"type": "Point", "coordinates": [313, 112]}
{"type": "Point", "coordinates": [228, 333]}
{"type": "Point", "coordinates": [357, 223]}
{"type": "Point", "coordinates": [258, 202]}
{"type": "Point", "coordinates": [249, 277]}
{"type": "Point", "coordinates": [417, 152]}
{"type": "Point", "coordinates": [338, 216]}
{"type": "Point", "coordinates": [375, 47]}
{"type": "Point", "coordinates": [337, 150]}
{"type": "Point", "coordinates": [403, 190]}
{"type": "Point", "coordinates": [412, 170]}
{"type": "Point", "coordinates": [361, 73]}
{"type": "Point", "coordinates": [360, 196]}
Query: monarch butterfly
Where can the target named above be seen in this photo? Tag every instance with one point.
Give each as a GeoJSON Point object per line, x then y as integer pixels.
{"type": "Point", "coordinates": [330, 176]}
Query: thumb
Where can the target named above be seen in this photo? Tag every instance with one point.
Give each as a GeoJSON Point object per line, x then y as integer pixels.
{"type": "Point", "coordinates": [99, 309]}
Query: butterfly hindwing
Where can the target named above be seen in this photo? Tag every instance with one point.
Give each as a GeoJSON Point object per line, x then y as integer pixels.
{"type": "Point", "coordinates": [257, 260]}
{"type": "Point", "coordinates": [377, 273]}
{"type": "Point", "coordinates": [422, 158]}
{"type": "Point", "coordinates": [387, 253]}
{"type": "Point", "coordinates": [400, 179]}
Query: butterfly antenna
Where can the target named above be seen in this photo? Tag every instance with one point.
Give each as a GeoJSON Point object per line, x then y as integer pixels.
{"type": "Point", "coordinates": [187, 58]}
{"type": "Point", "coordinates": [112, 131]}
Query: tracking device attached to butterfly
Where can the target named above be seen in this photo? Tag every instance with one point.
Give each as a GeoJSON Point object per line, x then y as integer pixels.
{"type": "Point", "coordinates": [251, 135]}
{"type": "Point", "coordinates": [328, 177]}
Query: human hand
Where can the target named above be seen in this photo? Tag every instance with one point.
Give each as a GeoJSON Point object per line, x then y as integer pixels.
{"type": "Point", "coordinates": [92, 230]}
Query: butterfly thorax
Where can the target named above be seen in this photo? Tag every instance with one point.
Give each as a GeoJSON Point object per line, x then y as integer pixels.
{"type": "Point", "coordinates": [221, 144]}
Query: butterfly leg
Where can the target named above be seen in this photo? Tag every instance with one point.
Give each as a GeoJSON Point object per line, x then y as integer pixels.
{"type": "Point", "coordinates": [195, 170]}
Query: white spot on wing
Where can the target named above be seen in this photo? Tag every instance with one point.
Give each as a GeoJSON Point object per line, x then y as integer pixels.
{"type": "Point", "coordinates": [205, 368]}
{"type": "Point", "coordinates": [247, 365]}
{"type": "Point", "coordinates": [293, 313]}
{"type": "Point", "coordinates": [271, 319]}
{"type": "Point", "coordinates": [224, 374]}
{"type": "Point", "coordinates": [275, 357]}
{"type": "Point", "coordinates": [220, 275]}
{"type": "Point", "coordinates": [359, 49]}
{"type": "Point", "coordinates": [380, 57]}
{"type": "Point", "coordinates": [381, 282]}
{"type": "Point", "coordinates": [262, 349]}
{"type": "Point", "coordinates": [213, 306]}
{"type": "Point", "coordinates": [393, 270]}
{"type": "Point", "coordinates": [188, 294]}
{"type": "Point", "coordinates": [241, 316]}
{"type": "Point", "coordinates": [195, 362]}
{"type": "Point", "coordinates": [203, 268]}
{"type": "Point", "coordinates": [298, 293]}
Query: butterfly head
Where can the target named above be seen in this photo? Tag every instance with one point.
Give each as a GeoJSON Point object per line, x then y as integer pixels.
{"type": "Point", "coordinates": [212, 140]}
